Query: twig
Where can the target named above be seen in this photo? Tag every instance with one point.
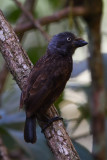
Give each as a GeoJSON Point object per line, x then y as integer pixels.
{"type": "Point", "coordinates": [20, 67]}
{"type": "Point", "coordinates": [64, 13]}
{"type": "Point", "coordinates": [29, 6]}
{"type": "Point", "coordinates": [30, 17]}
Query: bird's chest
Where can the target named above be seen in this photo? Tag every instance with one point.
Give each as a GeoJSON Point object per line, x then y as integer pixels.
{"type": "Point", "coordinates": [63, 67]}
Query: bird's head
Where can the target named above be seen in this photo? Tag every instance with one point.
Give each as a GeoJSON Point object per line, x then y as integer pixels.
{"type": "Point", "coordinates": [65, 43]}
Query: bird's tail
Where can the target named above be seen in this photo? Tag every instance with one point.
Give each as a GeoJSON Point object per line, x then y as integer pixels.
{"type": "Point", "coordinates": [30, 129]}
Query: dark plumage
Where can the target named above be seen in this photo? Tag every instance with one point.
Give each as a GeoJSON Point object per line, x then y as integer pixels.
{"type": "Point", "coordinates": [48, 79]}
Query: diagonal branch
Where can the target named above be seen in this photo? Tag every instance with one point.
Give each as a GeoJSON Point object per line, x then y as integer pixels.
{"type": "Point", "coordinates": [59, 15]}
{"type": "Point", "coordinates": [29, 6]}
{"type": "Point", "coordinates": [20, 67]}
{"type": "Point", "coordinates": [31, 18]}
{"type": "Point", "coordinates": [4, 73]}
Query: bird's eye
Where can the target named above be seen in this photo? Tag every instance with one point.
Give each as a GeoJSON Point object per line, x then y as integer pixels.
{"type": "Point", "coordinates": [68, 39]}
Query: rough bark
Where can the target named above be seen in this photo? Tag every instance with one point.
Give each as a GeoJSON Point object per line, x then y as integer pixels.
{"type": "Point", "coordinates": [20, 67]}
{"type": "Point", "coordinates": [29, 5]}
{"type": "Point", "coordinates": [13, 52]}
{"type": "Point", "coordinates": [3, 76]}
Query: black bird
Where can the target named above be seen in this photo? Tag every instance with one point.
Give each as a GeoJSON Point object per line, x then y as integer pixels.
{"type": "Point", "coordinates": [48, 79]}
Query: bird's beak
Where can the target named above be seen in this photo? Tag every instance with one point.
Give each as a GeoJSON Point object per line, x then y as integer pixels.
{"type": "Point", "coordinates": [78, 42]}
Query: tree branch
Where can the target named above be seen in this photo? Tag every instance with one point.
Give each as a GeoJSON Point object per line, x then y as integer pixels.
{"type": "Point", "coordinates": [32, 20]}
{"type": "Point", "coordinates": [20, 67]}
{"type": "Point", "coordinates": [3, 76]}
{"type": "Point", "coordinates": [75, 11]}
{"type": "Point", "coordinates": [29, 6]}
{"type": "Point", "coordinates": [98, 103]}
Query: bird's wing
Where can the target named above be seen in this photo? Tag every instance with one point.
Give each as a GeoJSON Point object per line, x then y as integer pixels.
{"type": "Point", "coordinates": [38, 67]}
{"type": "Point", "coordinates": [42, 92]}
{"type": "Point", "coordinates": [42, 80]}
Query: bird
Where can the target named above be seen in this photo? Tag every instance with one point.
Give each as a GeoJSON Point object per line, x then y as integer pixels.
{"type": "Point", "coordinates": [47, 79]}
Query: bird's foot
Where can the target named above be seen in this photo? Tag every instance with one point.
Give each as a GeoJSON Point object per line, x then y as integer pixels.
{"type": "Point", "coordinates": [50, 121]}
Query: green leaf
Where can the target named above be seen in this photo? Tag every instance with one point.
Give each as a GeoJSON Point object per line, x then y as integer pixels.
{"type": "Point", "coordinates": [35, 53]}
{"type": "Point", "coordinates": [59, 100]}
{"type": "Point", "coordinates": [13, 14]}
{"type": "Point", "coordinates": [7, 139]}
{"type": "Point", "coordinates": [56, 3]}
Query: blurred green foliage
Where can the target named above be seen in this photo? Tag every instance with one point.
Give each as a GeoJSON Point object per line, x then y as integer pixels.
{"type": "Point", "coordinates": [13, 14]}
{"type": "Point", "coordinates": [56, 3]}
{"type": "Point", "coordinates": [33, 53]}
